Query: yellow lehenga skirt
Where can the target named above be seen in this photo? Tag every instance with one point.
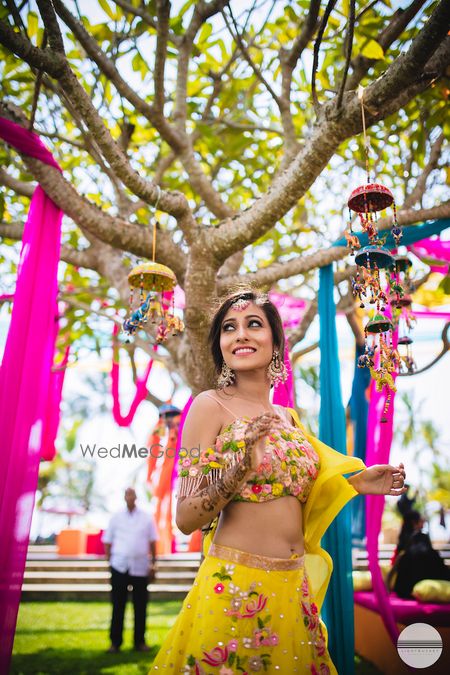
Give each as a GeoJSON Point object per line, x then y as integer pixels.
{"type": "Point", "coordinates": [247, 613]}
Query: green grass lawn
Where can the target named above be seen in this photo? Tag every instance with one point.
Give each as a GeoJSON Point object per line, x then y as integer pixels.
{"type": "Point", "coordinates": [72, 638]}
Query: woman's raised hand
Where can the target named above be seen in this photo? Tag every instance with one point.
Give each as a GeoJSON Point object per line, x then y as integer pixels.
{"type": "Point", "coordinates": [256, 429]}
{"type": "Point", "coordinates": [381, 479]}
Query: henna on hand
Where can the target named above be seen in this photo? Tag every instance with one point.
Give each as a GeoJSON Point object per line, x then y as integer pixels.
{"type": "Point", "coordinates": [256, 429]}
{"type": "Point", "coordinates": [223, 489]}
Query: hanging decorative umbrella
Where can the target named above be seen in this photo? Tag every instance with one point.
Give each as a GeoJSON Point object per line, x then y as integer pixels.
{"type": "Point", "coordinates": [155, 283]}
{"type": "Point", "coordinates": [374, 280]}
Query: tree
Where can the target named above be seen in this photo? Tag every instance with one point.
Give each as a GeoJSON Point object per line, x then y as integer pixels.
{"type": "Point", "coordinates": [243, 114]}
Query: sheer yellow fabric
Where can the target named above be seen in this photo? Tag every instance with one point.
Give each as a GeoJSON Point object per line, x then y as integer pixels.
{"type": "Point", "coordinates": [329, 494]}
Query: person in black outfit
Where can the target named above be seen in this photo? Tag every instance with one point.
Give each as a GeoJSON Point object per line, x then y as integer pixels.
{"type": "Point", "coordinates": [415, 558]}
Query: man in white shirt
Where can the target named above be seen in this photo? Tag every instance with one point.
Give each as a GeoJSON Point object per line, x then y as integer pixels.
{"type": "Point", "coordinates": [129, 541]}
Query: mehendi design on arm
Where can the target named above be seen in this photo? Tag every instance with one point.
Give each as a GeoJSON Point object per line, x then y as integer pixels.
{"type": "Point", "coordinates": [225, 487]}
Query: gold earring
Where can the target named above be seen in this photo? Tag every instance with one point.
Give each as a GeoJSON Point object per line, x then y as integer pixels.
{"type": "Point", "coordinates": [277, 371]}
{"type": "Point", "coordinates": [226, 377]}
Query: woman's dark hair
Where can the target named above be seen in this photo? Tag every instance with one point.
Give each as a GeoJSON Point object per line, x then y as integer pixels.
{"type": "Point", "coordinates": [269, 309]}
{"type": "Point", "coordinates": [410, 520]}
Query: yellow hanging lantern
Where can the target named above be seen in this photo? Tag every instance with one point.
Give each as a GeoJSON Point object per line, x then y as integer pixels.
{"type": "Point", "coordinates": [153, 280]}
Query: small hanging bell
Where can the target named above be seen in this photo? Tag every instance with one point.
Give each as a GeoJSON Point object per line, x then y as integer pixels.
{"type": "Point", "coordinates": [379, 324]}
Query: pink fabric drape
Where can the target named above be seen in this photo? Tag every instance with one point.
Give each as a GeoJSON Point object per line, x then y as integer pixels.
{"type": "Point", "coordinates": [436, 250]}
{"type": "Point", "coordinates": [24, 383]}
{"type": "Point", "coordinates": [284, 392]}
{"type": "Point", "coordinates": [53, 410]}
{"type": "Point", "coordinates": [175, 464]}
{"type": "Point", "coordinates": [139, 396]}
{"type": "Point", "coordinates": [379, 440]}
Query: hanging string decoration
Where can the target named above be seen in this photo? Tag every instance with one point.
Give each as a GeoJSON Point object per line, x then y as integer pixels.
{"type": "Point", "coordinates": [401, 301]}
{"type": "Point", "coordinates": [154, 284]}
{"type": "Point", "coordinates": [374, 283]}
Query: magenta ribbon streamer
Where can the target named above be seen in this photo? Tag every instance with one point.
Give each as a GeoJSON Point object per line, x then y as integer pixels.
{"type": "Point", "coordinates": [379, 440]}
{"type": "Point", "coordinates": [53, 411]}
{"type": "Point", "coordinates": [139, 396]}
{"type": "Point", "coordinates": [24, 383]}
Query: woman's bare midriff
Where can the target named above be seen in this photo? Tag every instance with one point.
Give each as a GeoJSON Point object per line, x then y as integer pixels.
{"type": "Point", "coordinates": [272, 528]}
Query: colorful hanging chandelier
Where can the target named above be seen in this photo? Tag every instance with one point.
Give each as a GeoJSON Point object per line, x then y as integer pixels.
{"type": "Point", "coordinates": [155, 284]}
{"type": "Point", "coordinates": [377, 280]}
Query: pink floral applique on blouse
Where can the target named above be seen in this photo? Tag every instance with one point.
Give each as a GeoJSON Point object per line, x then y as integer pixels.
{"type": "Point", "coordinates": [290, 464]}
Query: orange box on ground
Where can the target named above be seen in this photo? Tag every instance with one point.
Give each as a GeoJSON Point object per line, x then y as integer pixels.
{"type": "Point", "coordinates": [71, 542]}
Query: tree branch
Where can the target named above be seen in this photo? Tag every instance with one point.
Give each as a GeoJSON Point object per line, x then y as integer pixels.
{"type": "Point", "coordinates": [146, 18]}
{"type": "Point", "coordinates": [362, 64]}
{"type": "Point", "coordinates": [108, 68]}
{"type": "Point", "coordinates": [51, 24]}
{"type": "Point", "coordinates": [323, 24]}
{"type": "Point", "coordinates": [163, 9]}
{"type": "Point", "coordinates": [329, 131]}
{"type": "Point", "coordinates": [301, 265]}
{"type": "Point", "coordinates": [20, 187]}
{"type": "Point", "coordinates": [246, 54]}
{"type": "Point", "coordinates": [348, 52]}
{"type": "Point", "coordinates": [117, 232]}
{"type": "Point", "coordinates": [444, 350]}
{"type": "Point", "coordinates": [11, 231]}
{"type": "Point", "coordinates": [57, 66]}
{"type": "Point", "coordinates": [288, 61]}
{"type": "Point", "coordinates": [297, 334]}
{"type": "Point", "coordinates": [177, 140]}
{"type": "Point", "coordinates": [420, 186]}
{"type": "Point", "coordinates": [276, 271]}
{"type": "Point", "coordinates": [86, 258]}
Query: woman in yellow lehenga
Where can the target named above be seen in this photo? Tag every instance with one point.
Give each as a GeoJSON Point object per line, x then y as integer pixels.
{"type": "Point", "coordinates": [255, 604]}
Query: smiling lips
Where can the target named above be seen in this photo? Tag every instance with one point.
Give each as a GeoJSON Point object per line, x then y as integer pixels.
{"type": "Point", "coordinates": [243, 350]}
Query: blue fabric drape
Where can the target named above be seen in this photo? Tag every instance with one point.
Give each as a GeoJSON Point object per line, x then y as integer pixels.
{"type": "Point", "coordinates": [411, 234]}
{"type": "Point", "coordinates": [359, 409]}
{"type": "Point", "coordinates": [338, 607]}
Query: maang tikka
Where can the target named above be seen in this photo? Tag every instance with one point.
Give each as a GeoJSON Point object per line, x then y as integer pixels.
{"type": "Point", "coordinates": [277, 371]}
{"type": "Point", "coordinates": [226, 377]}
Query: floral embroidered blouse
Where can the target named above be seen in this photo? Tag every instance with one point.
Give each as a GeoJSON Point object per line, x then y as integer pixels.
{"type": "Point", "coordinates": [290, 464]}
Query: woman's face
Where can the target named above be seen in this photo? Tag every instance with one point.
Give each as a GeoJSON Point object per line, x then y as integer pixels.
{"type": "Point", "coordinates": [246, 338]}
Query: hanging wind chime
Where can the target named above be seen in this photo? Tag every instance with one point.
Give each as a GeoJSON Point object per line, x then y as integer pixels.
{"type": "Point", "coordinates": [155, 284]}
{"type": "Point", "coordinates": [374, 283]}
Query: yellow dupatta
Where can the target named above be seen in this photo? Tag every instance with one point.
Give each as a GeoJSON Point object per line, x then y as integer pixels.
{"type": "Point", "coordinates": [329, 494]}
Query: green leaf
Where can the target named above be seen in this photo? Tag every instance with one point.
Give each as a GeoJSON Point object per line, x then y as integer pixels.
{"type": "Point", "coordinates": [444, 286]}
{"type": "Point", "coordinates": [372, 50]}
{"type": "Point", "coordinates": [185, 8]}
{"type": "Point", "coordinates": [107, 9]}
{"type": "Point", "coordinates": [204, 33]}
{"type": "Point", "coordinates": [291, 14]}
{"type": "Point", "coordinates": [32, 24]}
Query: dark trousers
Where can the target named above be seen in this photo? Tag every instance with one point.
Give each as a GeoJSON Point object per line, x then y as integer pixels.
{"type": "Point", "coordinates": [120, 582]}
